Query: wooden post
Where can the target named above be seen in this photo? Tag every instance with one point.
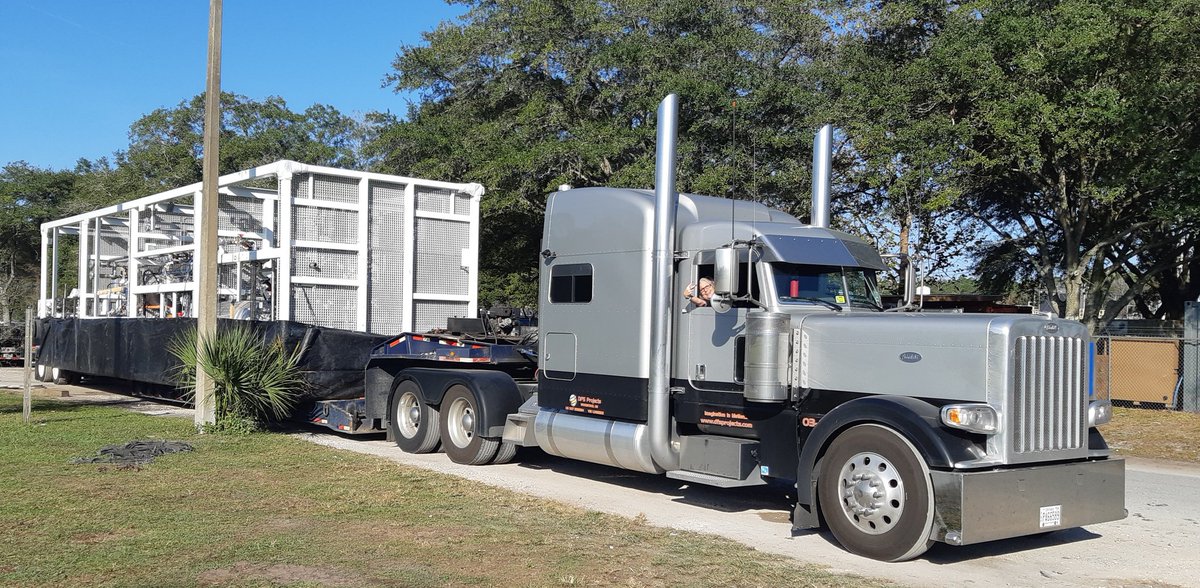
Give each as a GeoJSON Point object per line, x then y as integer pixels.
{"type": "Point", "coordinates": [206, 262]}
{"type": "Point", "coordinates": [27, 405]}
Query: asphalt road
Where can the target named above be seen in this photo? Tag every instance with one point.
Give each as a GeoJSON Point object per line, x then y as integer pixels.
{"type": "Point", "coordinates": [1157, 545]}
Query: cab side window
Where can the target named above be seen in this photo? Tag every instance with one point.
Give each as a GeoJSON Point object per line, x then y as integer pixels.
{"type": "Point", "coordinates": [571, 283]}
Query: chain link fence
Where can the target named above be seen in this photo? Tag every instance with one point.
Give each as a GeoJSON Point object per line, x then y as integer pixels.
{"type": "Point", "coordinates": [1149, 372]}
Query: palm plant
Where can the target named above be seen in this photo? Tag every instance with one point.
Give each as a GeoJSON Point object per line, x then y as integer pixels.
{"type": "Point", "coordinates": [254, 381]}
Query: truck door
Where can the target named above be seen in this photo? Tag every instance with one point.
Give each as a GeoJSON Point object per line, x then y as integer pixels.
{"type": "Point", "coordinates": [714, 341]}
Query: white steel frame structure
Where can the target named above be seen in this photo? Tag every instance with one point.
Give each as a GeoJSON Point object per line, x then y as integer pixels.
{"type": "Point", "coordinates": [330, 247]}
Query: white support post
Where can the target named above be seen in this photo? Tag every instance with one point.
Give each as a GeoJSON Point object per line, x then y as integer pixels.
{"type": "Point", "coordinates": [268, 219]}
{"type": "Point", "coordinates": [81, 289]}
{"type": "Point", "coordinates": [410, 245]}
{"type": "Point", "coordinates": [43, 284]}
{"type": "Point", "coordinates": [364, 244]}
{"type": "Point", "coordinates": [473, 257]}
{"type": "Point", "coordinates": [131, 299]}
{"type": "Point", "coordinates": [54, 270]}
{"type": "Point", "coordinates": [283, 289]}
{"type": "Point", "coordinates": [96, 311]}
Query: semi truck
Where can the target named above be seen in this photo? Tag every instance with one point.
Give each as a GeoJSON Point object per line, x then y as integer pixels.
{"type": "Point", "coordinates": [895, 430]}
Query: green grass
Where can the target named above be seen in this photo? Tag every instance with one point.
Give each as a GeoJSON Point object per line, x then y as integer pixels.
{"type": "Point", "coordinates": [265, 509]}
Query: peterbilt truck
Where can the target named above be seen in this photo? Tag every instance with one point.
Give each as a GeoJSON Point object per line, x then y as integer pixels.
{"type": "Point", "coordinates": [895, 429]}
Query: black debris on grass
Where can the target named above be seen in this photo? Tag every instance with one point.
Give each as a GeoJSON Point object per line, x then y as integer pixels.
{"type": "Point", "coordinates": [134, 453]}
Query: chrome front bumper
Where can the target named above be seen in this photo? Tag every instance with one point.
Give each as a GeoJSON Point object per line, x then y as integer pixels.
{"type": "Point", "coordinates": [973, 507]}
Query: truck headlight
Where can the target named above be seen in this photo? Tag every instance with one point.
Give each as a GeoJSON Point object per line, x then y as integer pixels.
{"type": "Point", "coordinates": [1099, 412]}
{"type": "Point", "coordinates": [976, 418]}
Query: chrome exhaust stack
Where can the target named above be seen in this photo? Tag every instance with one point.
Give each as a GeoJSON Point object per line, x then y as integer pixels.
{"type": "Point", "coordinates": [821, 173]}
{"type": "Point", "coordinates": [665, 203]}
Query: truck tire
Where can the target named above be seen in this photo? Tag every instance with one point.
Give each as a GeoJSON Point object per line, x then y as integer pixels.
{"type": "Point", "coordinates": [875, 494]}
{"type": "Point", "coordinates": [459, 436]}
{"type": "Point", "coordinates": [506, 453]}
{"type": "Point", "coordinates": [414, 424]}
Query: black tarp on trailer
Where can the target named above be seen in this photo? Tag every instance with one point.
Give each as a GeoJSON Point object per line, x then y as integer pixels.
{"type": "Point", "coordinates": [136, 349]}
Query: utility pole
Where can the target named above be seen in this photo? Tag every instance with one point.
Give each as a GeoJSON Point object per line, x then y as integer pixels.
{"type": "Point", "coordinates": [206, 264]}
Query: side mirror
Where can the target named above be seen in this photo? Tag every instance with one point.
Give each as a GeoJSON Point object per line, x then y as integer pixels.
{"type": "Point", "coordinates": [725, 271]}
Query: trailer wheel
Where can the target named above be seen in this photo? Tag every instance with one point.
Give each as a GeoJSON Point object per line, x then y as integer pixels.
{"type": "Point", "coordinates": [414, 424]}
{"type": "Point", "coordinates": [40, 372]}
{"type": "Point", "coordinates": [459, 436]}
{"type": "Point", "coordinates": [506, 453]}
{"type": "Point", "coordinates": [875, 494]}
{"type": "Point", "coordinates": [60, 376]}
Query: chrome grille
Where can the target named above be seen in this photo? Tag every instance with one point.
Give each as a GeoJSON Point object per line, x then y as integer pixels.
{"type": "Point", "coordinates": [1050, 393]}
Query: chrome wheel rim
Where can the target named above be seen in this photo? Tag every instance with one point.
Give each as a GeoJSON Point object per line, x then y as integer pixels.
{"type": "Point", "coordinates": [408, 415]}
{"type": "Point", "coordinates": [872, 493]}
{"type": "Point", "coordinates": [460, 422]}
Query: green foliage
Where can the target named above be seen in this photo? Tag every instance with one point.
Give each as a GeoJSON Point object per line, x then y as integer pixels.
{"type": "Point", "coordinates": [895, 182]}
{"type": "Point", "coordinates": [1058, 142]}
{"type": "Point", "coordinates": [29, 196]}
{"type": "Point", "coordinates": [254, 382]}
{"type": "Point", "coordinates": [1065, 128]}
{"type": "Point", "coordinates": [524, 95]}
{"type": "Point", "coordinates": [166, 146]}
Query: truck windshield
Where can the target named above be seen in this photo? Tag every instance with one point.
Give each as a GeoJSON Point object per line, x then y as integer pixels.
{"type": "Point", "coordinates": [822, 285]}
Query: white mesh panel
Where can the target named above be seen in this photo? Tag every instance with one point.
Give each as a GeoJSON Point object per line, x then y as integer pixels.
{"type": "Point", "coordinates": [435, 200]}
{"type": "Point", "coordinates": [439, 256]}
{"type": "Point", "coordinates": [324, 306]}
{"type": "Point", "coordinates": [326, 225]}
{"type": "Point", "coordinates": [432, 314]}
{"type": "Point", "coordinates": [335, 188]}
{"type": "Point", "coordinates": [324, 263]}
{"type": "Point", "coordinates": [300, 186]}
{"type": "Point", "coordinates": [462, 203]}
{"type": "Point", "coordinates": [235, 213]}
{"type": "Point", "coordinates": [114, 241]}
{"type": "Point", "coordinates": [386, 259]}
{"type": "Point", "coordinates": [164, 218]}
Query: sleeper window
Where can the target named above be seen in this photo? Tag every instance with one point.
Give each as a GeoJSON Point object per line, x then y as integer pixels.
{"type": "Point", "coordinates": [571, 283]}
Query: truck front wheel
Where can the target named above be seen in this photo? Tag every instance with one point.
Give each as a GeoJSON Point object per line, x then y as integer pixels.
{"type": "Point", "coordinates": [875, 494]}
{"type": "Point", "coordinates": [414, 424]}
{"type": "Point", "coordinates": [459, 415]}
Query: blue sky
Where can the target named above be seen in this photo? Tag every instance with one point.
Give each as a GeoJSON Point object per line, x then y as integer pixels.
{"type": "Point", "coordinates": [77, 73]}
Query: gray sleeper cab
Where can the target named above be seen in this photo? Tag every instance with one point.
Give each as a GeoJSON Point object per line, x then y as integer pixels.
{"type": "Point", "coordinates": [850, 373]}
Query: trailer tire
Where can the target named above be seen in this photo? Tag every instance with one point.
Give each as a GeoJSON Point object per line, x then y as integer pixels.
{"type": "Point", "coordinates": [414, 424]}
{"type": "Point", "coordinates": [875, 494]}
{"type": "Point", "coordinates": [62, 377]}
{"type": "Point", "coordinates": [506, 453]}
{"type": "Point", "coordinates": [460, 439]}
{"type": "Point", "coordinates": [41, 372]}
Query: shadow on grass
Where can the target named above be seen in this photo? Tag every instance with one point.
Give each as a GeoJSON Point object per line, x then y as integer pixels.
{"type": "Point", "coordinates": [63, 405]}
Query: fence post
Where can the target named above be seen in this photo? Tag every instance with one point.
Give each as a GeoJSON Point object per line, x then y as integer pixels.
{"type": "Point", "coordinates": [27, 405]}
{"type": "Point", "coordinates": [1189, 388]}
